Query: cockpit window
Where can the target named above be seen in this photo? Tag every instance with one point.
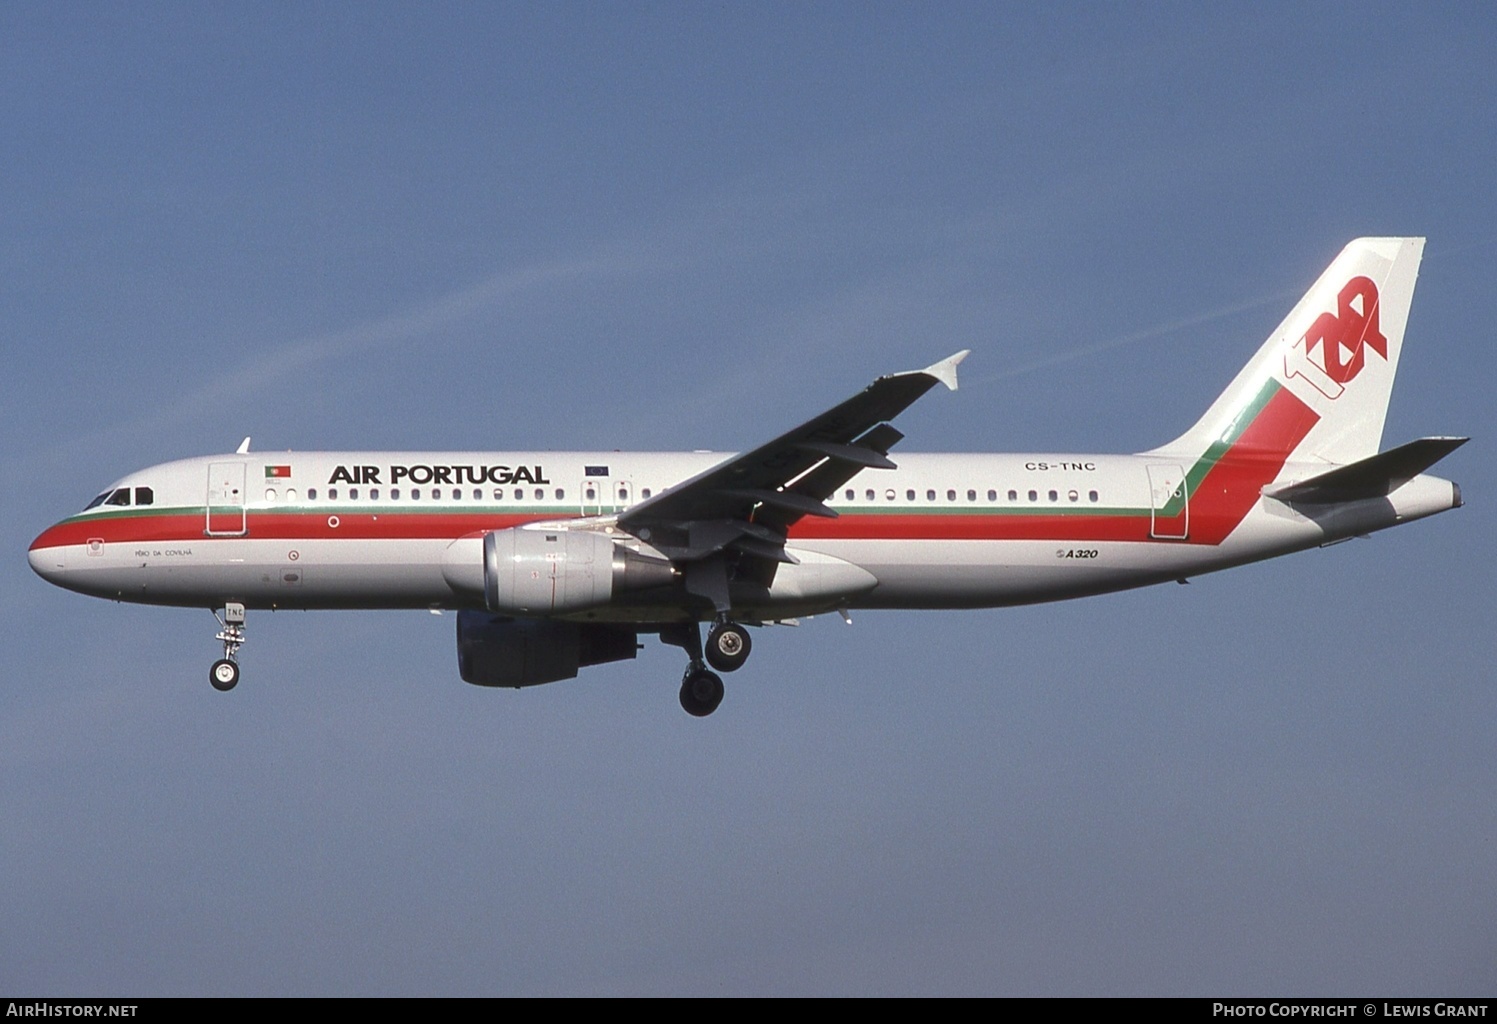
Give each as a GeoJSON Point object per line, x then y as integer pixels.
{"type": "Point", "coordinates": [144, 496]}
{"type": "Point", "coordinates": [120, 496]}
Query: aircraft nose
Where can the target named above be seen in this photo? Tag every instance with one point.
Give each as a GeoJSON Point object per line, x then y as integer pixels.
{"type": "Point", "coordinates": [46, 558]}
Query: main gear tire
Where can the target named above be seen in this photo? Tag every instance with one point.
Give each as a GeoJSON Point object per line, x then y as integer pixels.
{"type": "Point", "coordinates": [728, 646]}
{"type": "Point", "coordinates": [701, 693]}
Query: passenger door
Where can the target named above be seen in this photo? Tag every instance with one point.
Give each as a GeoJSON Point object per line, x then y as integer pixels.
{"type": "Point", "coordinates": [225, 501]}
{"type": "Point", "coordinates": [1169, 503]}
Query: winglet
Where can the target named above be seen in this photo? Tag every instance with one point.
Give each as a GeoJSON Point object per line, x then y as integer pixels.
{"type": "Point", "coordinates": [945, 370]}
{"type": "Point", "coordinates": [243, 447]}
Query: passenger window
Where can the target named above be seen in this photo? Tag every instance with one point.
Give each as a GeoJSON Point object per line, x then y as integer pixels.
{"type": "Point", "coordinates": [332, 494]}
{"type": "Point", "coordinates": [353, 494]}
{"type": "Point", "coordinates": [646, 493]}
{"type": "Point", "coordinates": [909, 495]}
{"type": "Point", "coordinates": [929, 495]}
{"type": "Point", "coordinates": [1013, 495]}
{"type": "Point", "coordinates": [144, 496]}
{"type": "Point", "coordinates": [478, 494]}
{"type": "Point", "coordinates": [519, 494]}
{"type": "Point", "coordinates": [951, 495]}
{"type": "Point", "coordinates": [415, 494]}
{"type": "Point", "coordinates": [992, 495]}
{"type": "Point", "coordinates": [395, 494]}
{"type": "Point", "coordinates": [291, 494]}
{"type": "Point", "coordinates": [1092, 495]}
{"type": "Point", "coordinates": [848, 494]}
{"type": "Point", "coordinates": [971, 495]}
{"type": "Point", "coordinates": [540, 494]}
{"type": "Point", "coordinates": [591, 493]}
{"type": "Point", "coordinates": [311, 494]}
{"type": "Point", "coordinates": [436, 494]}
{"type": "Point", "coordinates": [457, 494]}
{"type": "Point", "coordinates": [374, 494]}
{"type": "Point", "coordinates": [1054, 496]}
{"type": "Point", "coordinates": [868, 495]}
{"type": "Point", "coordinates": [270, 494]}
{"type": "Point", "coordinates": [889, 494]}
{"type": "Point", "coordinates": [1073, 495]}
{"type": "Point", "coordinates": [623, 494]}
{"type": "Point", "coordinates": [1034, 495]}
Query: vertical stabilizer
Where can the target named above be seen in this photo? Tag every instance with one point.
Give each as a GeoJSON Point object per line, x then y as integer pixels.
{"type": "Point", "coordinates": [1318, 389]}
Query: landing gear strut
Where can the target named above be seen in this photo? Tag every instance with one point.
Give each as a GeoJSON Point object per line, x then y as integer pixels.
{"type": "Point", "coordinates": [224, 675]}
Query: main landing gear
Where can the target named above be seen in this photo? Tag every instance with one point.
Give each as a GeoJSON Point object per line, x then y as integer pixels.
{"type": "Point", "coordinates": [224, 675]}
{"type": "Point", "coordinates": [728, 646]}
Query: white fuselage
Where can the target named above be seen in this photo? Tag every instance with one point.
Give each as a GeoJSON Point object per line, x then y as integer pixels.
{"type": "Point", "coordinates": [403, 530]}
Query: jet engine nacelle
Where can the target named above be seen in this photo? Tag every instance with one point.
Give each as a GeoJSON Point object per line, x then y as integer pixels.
{"type": "Point", "coordinates": [555, 572]}
{"type": "Point", "coordinates": [495, 650]}
{"type": "Point", "coordinates": [543, 572]}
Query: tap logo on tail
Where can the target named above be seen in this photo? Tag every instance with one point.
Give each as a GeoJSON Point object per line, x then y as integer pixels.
{"type": "Point", "coordinates": [1334, 349]}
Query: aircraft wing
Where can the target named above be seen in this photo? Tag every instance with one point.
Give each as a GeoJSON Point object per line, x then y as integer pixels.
{"type": "Point", "coordinates": [749, 501]}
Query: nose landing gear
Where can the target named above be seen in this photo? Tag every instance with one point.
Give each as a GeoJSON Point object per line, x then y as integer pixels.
{"type": "Point", "coordinates": [224, 675]}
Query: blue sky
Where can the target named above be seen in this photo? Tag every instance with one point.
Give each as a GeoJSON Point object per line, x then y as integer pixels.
{"type": "Point", "coordinates": [669, 226]}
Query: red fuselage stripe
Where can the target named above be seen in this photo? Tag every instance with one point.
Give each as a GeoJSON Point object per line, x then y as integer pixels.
{"type": "Point", "coordinates": [1230, 487]}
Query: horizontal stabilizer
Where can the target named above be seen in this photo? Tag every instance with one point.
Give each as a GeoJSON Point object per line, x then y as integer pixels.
{"type": "Point", "coordinates": [1373, 477]}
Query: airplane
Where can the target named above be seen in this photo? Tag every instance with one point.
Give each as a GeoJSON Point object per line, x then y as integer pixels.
{"type": "Point", "coordinates": [556, 561]}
